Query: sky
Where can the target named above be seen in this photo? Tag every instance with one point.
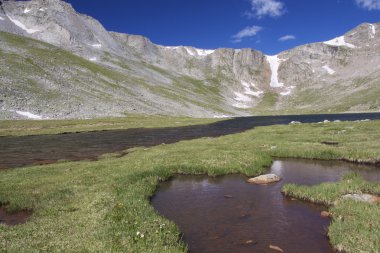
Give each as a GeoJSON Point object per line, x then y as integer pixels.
{"type": "Point", "coordinates": [270, 26]}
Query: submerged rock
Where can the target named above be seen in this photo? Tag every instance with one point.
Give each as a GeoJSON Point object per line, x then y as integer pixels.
{"type": "Point", "coordinates": [250, 242]}
{"type": "Point", "coordinates": [363, 198]}
{"type": "Point", "coordinates": [276, 248]}
{"type": "Point", "coordinates": [265, 179]}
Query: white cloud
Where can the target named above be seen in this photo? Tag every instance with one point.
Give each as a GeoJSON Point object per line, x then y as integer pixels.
{"type": "Point", "coordinates": [262, 8]}
{"type": "Point", "coordinates": [287, 37]}
{"type": "Point", "coordinates": [247, 32]}
{"type": "Point", "coordinates": [369, 4]}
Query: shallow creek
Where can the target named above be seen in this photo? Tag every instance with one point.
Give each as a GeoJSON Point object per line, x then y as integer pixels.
{"type": "Point", "coordinates": [226, 214]}
{"type": "Point", "coordinates": [20, 151]}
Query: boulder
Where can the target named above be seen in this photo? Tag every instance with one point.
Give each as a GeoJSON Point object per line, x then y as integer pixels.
{"type": "Point", "coordinates": [265, 179]}
{"type": "Point", "coordinates": [363, 198]}
{"type": "Point", "coordinates": [325, 214]}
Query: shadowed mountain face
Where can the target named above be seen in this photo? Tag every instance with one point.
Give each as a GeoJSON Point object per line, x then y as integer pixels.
{"type": "Point", "coordinates": [57, 63]}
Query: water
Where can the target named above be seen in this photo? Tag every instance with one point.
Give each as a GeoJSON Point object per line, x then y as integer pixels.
{"type": "Point", "coordinates": [45, 149]}
{"type": "Point", "coordinates": [16, 218]}
{"type": "Point", "coordinates": [226, 214]}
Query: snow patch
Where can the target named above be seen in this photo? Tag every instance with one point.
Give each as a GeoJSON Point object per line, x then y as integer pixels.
{"type": "Point", "coordinates": [329, 70]}
{"type": "Point", "coordinates": [242, 101]}
{"type": "Point", "coordinates": [249, 91]}
{"type": "Point", "coordinates": [22, 26]}
{"type": "Point", "coordinates": [246, 85]}
{"type": "Point", "coordinates": [194, 51]}
{"type": "Point", "coordinates": [221, 116]}
{"type": "Point", "coordinates": [27, 10]}
{"type": "Point", "coordinates": [189, 51]}
{"type": "Point", "coordinates": [288, 91]}
{"type": "Point", "coordinates": [241, 106]}
{"type": "Point", "coordinates": [339, 41]}
{"type": "Point", "coordinates": [93, 59]}
{"type": "Point", "coordinates": [241, 97]}
{"type": "Point", "coordinates": [42, 9]}
{"type": "Point", "coordinates": [204, 52]}
{"type": "Point", "coordinates": [97, 45]}
{"type": "Point", "coordinates": [254, 93]}
{"type": "Point", "coordinates": [198, 52]}
{"type": "Point", "coordinates": [1, 18]}
{"type": "Point", "coordinates": [29, 115]}
{"type": "Point", "coordinates": [171, 47]}
{"type": "Point", "coordinates": [373, 31]}
{"type": "Point", "coordinates": [274, 63]}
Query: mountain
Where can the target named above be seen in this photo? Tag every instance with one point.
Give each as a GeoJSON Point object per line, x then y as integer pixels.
{"type": "Point", "coordinates": [57, 63]}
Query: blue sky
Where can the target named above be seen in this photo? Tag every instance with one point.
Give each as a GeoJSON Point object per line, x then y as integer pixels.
{"type": "Point", "coordinates": [210, 24]}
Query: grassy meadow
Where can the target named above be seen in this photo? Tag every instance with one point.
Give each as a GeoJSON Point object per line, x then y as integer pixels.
{"type": "Point", "coordinates": [104, 206]}
{"type": "Point", "coordinates": [36, 127]}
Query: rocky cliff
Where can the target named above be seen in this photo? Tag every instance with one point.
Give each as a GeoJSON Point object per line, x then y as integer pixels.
{"type": "Point", "coordinates": [57, 63]}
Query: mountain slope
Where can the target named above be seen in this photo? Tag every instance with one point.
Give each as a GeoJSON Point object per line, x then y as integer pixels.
{"type": "Point", "coordinates": [339, 75]}
{"type": "Point", "coordinates": [57, 63]}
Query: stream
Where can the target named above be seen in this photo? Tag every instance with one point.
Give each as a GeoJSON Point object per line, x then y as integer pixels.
{"type": "Point", "coordinates": [20, 151]}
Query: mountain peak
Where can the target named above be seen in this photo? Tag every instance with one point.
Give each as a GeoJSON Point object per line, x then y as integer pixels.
{"type": "Point", "coordinates": [119, 73]}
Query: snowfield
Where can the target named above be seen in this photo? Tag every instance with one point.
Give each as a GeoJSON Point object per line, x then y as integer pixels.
{"type": "Point", "coordinates": [339, 42]}
{"type": "Point", "coordinates": [274, 63]}
{"type": "Point", "coordinates": [29, 115]}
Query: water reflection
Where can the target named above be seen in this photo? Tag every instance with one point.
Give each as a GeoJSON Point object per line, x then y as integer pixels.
{"type": "Point", "coordinates": [259, 215]}
{"type": "Point", "coordinates": [310, 172]}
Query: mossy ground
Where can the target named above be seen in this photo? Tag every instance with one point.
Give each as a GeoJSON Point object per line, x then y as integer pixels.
{"type": "Point", "coordinates": [103, 206]}
{"type": "Point", "coordinates": [355, 226]}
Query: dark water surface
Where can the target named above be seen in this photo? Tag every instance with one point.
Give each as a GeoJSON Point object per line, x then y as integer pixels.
{"type": "Point", "coordinates": [222, 214]}
{"type": "Point", "coordinates": [12, 219]}
{"type": "Point", "coordinates": [45, 149]}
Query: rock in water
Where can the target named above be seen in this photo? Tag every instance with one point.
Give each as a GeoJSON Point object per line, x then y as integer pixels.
{"type": "Point", "coordinates": [265, 179]}
{"type": "Point", "coordinates": [325, 214]}
{"type": "Point", "coordinates": [276, 248]}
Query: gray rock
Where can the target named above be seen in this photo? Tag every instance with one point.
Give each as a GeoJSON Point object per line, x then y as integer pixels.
{"type": "Point", "coordinates": [264, 179]}
{"type": "Point", "coordinates": [363, 198]}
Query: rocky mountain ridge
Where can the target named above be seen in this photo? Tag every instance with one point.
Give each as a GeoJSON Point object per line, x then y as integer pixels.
{"type": "Point", "coordinates": [57, 63]}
